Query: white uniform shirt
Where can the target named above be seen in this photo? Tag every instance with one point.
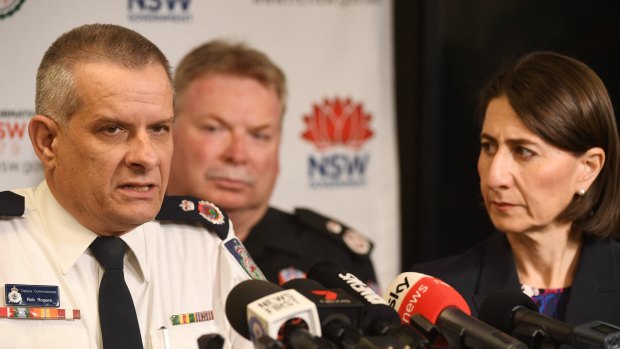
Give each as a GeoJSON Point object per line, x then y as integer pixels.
{"type": "Point", "coordinates": [170, 269]}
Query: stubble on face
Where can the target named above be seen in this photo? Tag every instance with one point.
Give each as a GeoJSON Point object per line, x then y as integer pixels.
{"type": "Point", "coordinates": [114, 153]}
{"type": "Point", "coordinates": [227, 136]}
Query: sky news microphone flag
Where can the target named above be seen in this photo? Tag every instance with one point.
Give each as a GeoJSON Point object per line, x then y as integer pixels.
{"type": "Point", "coordinates": [412, 293]}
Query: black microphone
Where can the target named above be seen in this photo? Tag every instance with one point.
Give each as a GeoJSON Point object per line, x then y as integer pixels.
{"type": "Point", "coordinates": [340, 315]}
{"type": "Point", "coordinates": [210, 341]}
{"type": "Point", "coordinates": [261, 311]}
{"type": "Point", "coordinates": [330, 303]}
{"type": "Point", "coordinates": [511, 310]}
{"type": "Point", "coordinates": [379, 318]}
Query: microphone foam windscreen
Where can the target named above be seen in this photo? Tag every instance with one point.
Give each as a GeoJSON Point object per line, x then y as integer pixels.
{"type": "Point", "coordinates": [323, 271]}
{"type": "Point", "coordinates": [497, 309]}
{"type": "Point", "coordinates": [302, 285]}
{"type": "Point", "coordinates": [240, 296]}
{"type": "Point", "coordinates": [414, 293]}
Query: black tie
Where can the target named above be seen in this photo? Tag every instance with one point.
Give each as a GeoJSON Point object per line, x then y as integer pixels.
{"type": "Point", "coordinates": [117, 314]}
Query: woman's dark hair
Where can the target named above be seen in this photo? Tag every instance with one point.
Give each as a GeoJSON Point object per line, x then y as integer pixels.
{"type": "Point", "coordinates": [565, 103]}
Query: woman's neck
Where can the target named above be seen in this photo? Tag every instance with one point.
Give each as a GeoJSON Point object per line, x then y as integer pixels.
{"type": "Point", "coordinates": [546, 259]}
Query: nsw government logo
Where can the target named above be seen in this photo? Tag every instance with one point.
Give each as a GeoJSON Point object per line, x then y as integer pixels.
{"type": "Point", "coordinates": [9, 7]}
{"type": "Point", "coordinates": [338, 128]}
{"type": "Point", "coordinates": [159, 10]}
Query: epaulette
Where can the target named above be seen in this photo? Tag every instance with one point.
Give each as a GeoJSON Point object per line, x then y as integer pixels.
{"type": "Point", "coordinates": [353, 240]}
{"type": "Point", "coordinates": [189, 208]}
{"type": "Point", "coordinates": [11, 204]}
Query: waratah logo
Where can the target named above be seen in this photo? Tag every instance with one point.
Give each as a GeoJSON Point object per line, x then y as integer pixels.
{"type": "Point", "coordinates": [338, 128]}
{"type": "Point", "coordinates": [337, 122]}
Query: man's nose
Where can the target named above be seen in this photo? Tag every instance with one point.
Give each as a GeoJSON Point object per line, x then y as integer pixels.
{"type": "Point", "coordinates": [237, 150]}
{"type": "Point", "coordinates": [141, 152]}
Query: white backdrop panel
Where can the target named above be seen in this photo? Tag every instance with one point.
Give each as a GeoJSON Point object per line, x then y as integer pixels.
{"type": "Point", "coordinates": [330, 50]}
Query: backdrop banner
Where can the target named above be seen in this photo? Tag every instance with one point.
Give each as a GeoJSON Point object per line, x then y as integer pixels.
{"type": "Point", "coordinates": [338, 154]}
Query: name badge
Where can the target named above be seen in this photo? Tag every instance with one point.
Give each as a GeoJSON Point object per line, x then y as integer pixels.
{"type": "Point", "coordinates": [31, 295]}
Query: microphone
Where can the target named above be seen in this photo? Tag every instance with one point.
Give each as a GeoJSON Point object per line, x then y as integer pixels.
{"type": "Point", "coordinates": [340, 315]}
{"type": "Point", "coordinates": [379, 318]}
{"type": "Point", "coordinates": [415, 293]}
{"type": "Point", "coordinates": [210, 341]}
{"type": "Point", "coordinates": [261, 311]}
{"type": "Point", "coordinates": [511, 310]}
{"type": "Point", "coordinates": [331, 303]}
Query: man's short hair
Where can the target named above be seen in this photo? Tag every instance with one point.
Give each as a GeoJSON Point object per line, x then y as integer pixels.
{"type": "Point", "coordinates": [237, 59]}
{"type": "Point", "coordinates": [56, 94]}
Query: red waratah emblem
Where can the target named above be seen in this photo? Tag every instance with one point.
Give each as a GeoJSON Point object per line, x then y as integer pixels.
{"type": "Point", "coordinates": [337, 122]}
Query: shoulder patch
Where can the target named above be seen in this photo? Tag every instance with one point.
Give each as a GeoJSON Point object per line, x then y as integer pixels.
{"type": "Point", "coordinates": [11, 204]}
{"type": "Point", "coordinates": [353, 240]}
{"type": "Point", "coordinates": [189, 208]}
{"type": "Point", "coordinates": [242, 256]}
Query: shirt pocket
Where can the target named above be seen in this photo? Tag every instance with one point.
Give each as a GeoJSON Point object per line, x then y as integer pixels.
{"type": "Point", "coordinates": [49, 334]}
{"type": "Point", "coordinates": [181, 336]}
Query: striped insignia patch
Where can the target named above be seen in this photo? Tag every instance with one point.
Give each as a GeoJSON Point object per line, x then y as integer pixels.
{"type": "Point", "coordinates": [39, 313]}
{"type": "Point", "coordinates": [188, 318]}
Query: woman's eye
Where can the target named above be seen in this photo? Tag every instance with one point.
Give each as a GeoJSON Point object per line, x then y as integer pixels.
{"type": "Point", "coordinates": [487, 147]}
{"type": "Point", "coordinates": [524, 152]}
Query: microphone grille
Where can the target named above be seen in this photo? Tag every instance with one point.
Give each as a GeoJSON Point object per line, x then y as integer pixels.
{"type": "Point", "coordinates": [323, 272]}
{"type": "Point", "coordinates": [240, 296]}
{"type": "Point", "coordinates": [497, 309]}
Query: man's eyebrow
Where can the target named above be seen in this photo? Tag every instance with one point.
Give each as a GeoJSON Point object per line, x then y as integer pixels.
{"type": "Point", "coordinates": [164, 121]}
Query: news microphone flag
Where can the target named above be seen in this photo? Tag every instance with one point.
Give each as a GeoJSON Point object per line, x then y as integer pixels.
{"type": "Point", "coordinates": [413, 293]}
{"type": "Point", "coordinates": [379, 318]}
{"type": "Point", "coordinates": [262, 311]}
{"type": "Point", "coordinates": [266, 315]}
{"type": "Point", "coordinates": [408, 295]}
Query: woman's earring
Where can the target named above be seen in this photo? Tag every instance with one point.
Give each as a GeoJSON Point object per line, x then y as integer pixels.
{"type": "Point", "coordinates": [581, 192]}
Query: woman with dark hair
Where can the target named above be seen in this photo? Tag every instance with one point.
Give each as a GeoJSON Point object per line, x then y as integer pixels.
{"type": "Point", "coordinates": [549, 177]}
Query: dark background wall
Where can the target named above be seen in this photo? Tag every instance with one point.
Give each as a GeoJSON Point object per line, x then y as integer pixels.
{"type": "Point", "coordinates": [445, 51]}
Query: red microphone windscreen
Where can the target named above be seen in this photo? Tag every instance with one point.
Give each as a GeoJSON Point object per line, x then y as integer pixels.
{"type": "Point", "coordinates": [414, 293]}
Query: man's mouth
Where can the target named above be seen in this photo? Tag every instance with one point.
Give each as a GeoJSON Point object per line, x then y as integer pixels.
{"type": "Point", "coordinates": [137, 187]}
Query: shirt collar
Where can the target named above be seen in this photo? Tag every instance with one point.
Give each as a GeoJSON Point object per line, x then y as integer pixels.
{"type": "Point", "coordinates": [71, 239]}
{"type": "Point", "coordinates": [136, 241]}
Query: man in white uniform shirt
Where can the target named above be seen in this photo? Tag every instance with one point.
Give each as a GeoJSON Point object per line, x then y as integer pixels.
{"type": "Point", "coordinates": [103, 135]}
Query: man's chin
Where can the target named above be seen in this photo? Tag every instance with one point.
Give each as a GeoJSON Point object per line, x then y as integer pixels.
{"type": "Point", "coordinates": [138, 214]}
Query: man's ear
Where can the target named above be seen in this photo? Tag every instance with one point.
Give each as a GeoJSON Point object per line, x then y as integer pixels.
{"type": "Point", "coordinates": [592, 162]}
{"type": "Point", "coordinates": [43, 132]}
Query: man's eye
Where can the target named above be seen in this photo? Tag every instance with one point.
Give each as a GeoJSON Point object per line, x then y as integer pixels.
{"type": "Point", "coordinates": [161, 129]}
{"type": "Point", "coordinates": [263, 136]}
{"type": "Point", "coordinates": [211, 128]}
{"type": "Point", "coordinates": [112, 129]}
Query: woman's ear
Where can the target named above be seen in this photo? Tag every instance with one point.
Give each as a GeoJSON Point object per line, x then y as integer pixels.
{"type": "Point", "coordinates": [43, 132]}
{"type": "Point", "coordinates": [592, 162]}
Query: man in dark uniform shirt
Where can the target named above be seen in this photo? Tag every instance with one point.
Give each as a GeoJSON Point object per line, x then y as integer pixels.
{"type": "Point", "coordinates": [301, 240]}
{"type": "Point", "coordinates": [229, 105]}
